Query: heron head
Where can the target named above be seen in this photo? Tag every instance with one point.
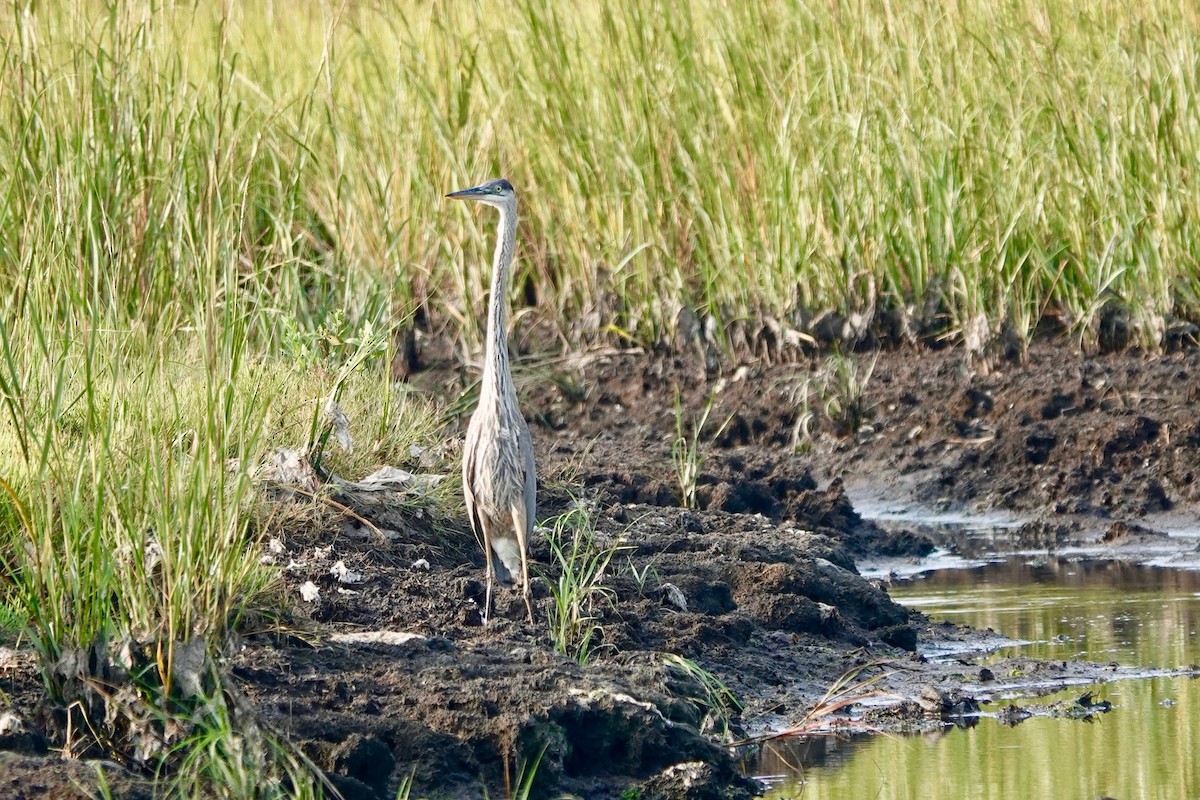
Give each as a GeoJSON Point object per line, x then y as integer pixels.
{"type": "Point", "coordinates": [498, 192]}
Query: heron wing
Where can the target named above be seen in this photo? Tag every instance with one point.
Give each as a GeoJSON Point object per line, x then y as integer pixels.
{"type": "Point", "coordinates": [530, 482]}
{"type": "Point", "coordinates": [470, 464]}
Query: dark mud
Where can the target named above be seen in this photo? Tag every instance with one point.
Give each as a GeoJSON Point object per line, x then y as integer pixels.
{"type": "Point", "coordinates": [772, 606]}
{"type": "Point", "coordinates": [390, 672]}
{"type": "Point", "coordinates": [1110, 436]}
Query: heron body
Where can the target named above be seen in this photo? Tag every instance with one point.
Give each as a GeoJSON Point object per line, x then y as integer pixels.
{"type": "Point", "coordinates": [499, 476]}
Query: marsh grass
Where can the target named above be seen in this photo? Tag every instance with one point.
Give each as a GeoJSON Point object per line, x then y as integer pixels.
{"type": "Point", "coordinates": [844, 383]}
{"type": "Point", "coordinates": [214, 218]}
{"type": "Point", "coordinates": [986, 162]}
{"type": "Point", "coordinates": [156, 280]}
{"type": "Point", "coordinates": [135, 515]}
{"type": "Point", "coordinates": [834, 395]}
{"type": "Point", "coordinates": [579, 593]}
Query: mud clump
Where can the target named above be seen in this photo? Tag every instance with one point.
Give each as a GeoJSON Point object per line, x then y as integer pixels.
{"type": "Point", "coordinates": [774, 486]}
{"type": "Point", "coordinates": [1039, 445]}
{"type": "Point", "coordinates": [694, 780]}
{"type": "Point", "coordinates": [822, 582]}
{"type": "Point", "coordinates": [1128, 532]}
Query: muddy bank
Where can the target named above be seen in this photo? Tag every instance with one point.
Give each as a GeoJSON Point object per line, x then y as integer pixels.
{"type": "Point", "coordinates": [387, 672]}
{"type": "Point", "coordinates": [401, 679]}
{"type": "Point", "coordinates": [756, 601]}
{"type": "Point", "coordinates": [396, 676]}
{"type": "Point", "coordinates": [1112, 436]}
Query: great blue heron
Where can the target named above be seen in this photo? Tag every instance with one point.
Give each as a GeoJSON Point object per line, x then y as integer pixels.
{"type": "Point", "coordinates": [499, 477]}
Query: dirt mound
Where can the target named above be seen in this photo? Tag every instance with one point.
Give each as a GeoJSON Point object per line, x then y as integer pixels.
{"type": "Point", "coordinates": [459, 703]}
{"type": "Point", "coordinates": [458, 716]}
{"type": "Point", "coordinates": [747, 480]}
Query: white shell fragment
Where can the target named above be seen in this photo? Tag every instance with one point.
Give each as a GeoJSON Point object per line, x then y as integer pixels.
{"type": "Point", "coordinates": [344, 574]}
{"type": "Point", "coordinates": [309, 592]}
{"type": "Point", "coordinates": [393, 479]}
{"type": "Point", "coordinates": [421, 563]}
{"type": "Point", "coordinates": [376, 637]}
{"type": "Point", "coordinates": [290, 468]}
{"type": "Point", "coordinates": [673, 595]}
{"type": "Point", "coordinates": [10, 723]}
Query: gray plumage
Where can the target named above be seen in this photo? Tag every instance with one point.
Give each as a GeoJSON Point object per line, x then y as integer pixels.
{"type": "Point", "coordinates": [499, 476]}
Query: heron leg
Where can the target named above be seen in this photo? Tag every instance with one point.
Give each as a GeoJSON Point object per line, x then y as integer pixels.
{"type": "Point", "coordinates": [519, 529]}
{"type": "Point", "coordinates": [525, 590]}
{"type": "Point", "coordinates": [490, 573]}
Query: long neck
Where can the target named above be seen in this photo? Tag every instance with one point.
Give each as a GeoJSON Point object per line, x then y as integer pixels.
{"type": "Point", "coordinates": [496, 376]}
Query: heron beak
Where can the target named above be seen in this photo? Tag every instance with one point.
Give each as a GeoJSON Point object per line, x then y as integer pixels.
{"type": "Point", "coordinates": [466, 194]}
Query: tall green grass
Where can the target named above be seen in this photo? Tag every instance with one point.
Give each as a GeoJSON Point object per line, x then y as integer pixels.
{"type": "Point", "coordinates": [172, 311]}
{"type": "Point", "coordinates": [982, 161]}
{"type": "Point", "coordinates": [994, 161]}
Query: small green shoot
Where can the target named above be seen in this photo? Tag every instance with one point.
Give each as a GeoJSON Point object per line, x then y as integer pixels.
{"type": "Point", "coordinates": [686, 451]}
{"type": "Point", "coordinates": [404, 790]}
{"type": "Point", "coordinates": [642, 577]}
{"type": "Point", "coordinates": [719, 702]}
{"type": "Point", "coordinates": [580, 596]}
{"type": "Point", "coordinates": [526, 774]}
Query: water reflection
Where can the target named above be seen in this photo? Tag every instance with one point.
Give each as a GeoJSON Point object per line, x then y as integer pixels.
{"type": "Point", "coordinates": [1127, 754]}
{"type": "Point", "coordinates": [1095, 610]}
{"type": "Point", "coordinates": [1103, 611]}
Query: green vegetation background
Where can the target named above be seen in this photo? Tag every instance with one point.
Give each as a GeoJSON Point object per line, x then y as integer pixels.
{"type": "Point", "coordinates": [215, 216]}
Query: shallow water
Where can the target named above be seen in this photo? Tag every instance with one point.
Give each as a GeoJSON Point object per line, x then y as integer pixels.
{"type": "Point", "coordinates": [1057, 609]}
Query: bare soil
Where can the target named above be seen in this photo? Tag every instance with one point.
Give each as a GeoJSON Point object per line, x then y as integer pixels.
{"type": "Point", "coordinates": [758, 584]}
{"type": "Point", "coordinates": [1112, 436]}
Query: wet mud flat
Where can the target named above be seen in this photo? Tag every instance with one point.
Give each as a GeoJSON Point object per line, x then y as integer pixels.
{"type": "Point", "coordinates": [389, 672]}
